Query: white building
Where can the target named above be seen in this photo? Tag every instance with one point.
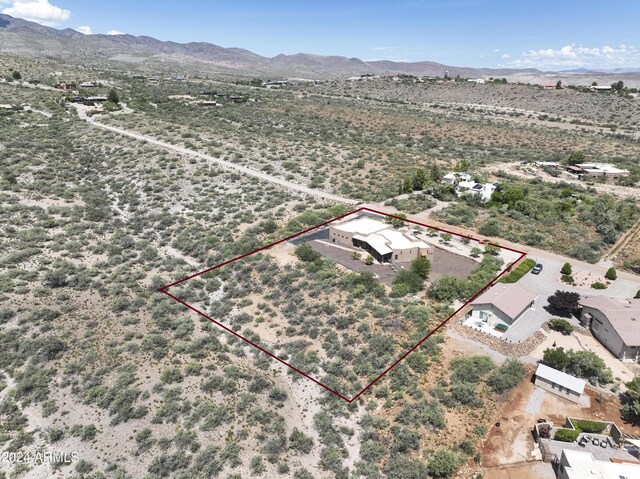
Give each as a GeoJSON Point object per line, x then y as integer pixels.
{"type": "Point", "coordinates": [479, 81]}
{"type": "Point", "coordinates": [559, 383]}
{"type": "Point", "coordinates": [453, 178]}
{"type": "Point", "coordinates": [383, 242]}
{"type": "Point", "coordinates": [502, 304]}
{"type": "Point", "coordinates": [582, 465]}
{"type": "Point", "coordinates": [471, 187]}
{"type": "Point", "coordinates": [603, 170]}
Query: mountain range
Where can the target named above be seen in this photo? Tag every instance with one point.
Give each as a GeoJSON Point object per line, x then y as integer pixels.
{"type": "Point", "coordinates": [21, 37]}
{"type": "Point", "coordinates": [143, 53]}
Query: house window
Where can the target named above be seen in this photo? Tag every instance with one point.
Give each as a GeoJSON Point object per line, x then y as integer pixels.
{"type": "Point", "coordinates": [396, 256]}
{"type": "Point", "coordinates": [484, 315]}
{"type": "Point", "coordinates": [334, 240]}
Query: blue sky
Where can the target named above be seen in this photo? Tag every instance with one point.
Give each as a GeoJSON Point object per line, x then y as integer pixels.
{"type": "Point", "coordinates": [516, 33]}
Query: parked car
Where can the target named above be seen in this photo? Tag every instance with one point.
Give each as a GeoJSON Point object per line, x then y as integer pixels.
{"type": "Point", "coordinates": [536, 269]}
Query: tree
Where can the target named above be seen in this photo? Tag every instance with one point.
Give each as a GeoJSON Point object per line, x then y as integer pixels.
{"type": "Point", "coordinates": [559, 85]}
{"type": "Point", "coordinates": [566, 269]}
{"type": "Point", "coordinates": [611, 274]}
{"type": "Point", "coordinates": [16, 75]}
{"type": "Point", "coordinates": [564, 302]}
{"type": "Point", "coordinates": [576, 157]}
{"type": "Point", "coordinates": [300, 442]}
{"type": "Point", "coordinates": [595, 83]}
{"type": "Point", "coordinates": [113, 97]}
{"type": "Point", "coordinates": [617, 86]}
{"type": "Point", "coordinates": [506, 376]}
{"type": "Point", "coordinates": [421, 266]}
{"type": "Point", "coordinates": [304, 252]}
{"type": "Point", "coordinates": [637, 296]}
{"type": "Point", "coordinates": [555, 358]}
{"type": "Point", "coordinates": [631, 407]}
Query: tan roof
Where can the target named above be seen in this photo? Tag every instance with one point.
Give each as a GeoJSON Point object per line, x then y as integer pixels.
{"type": "Point", "coordinates": [509, 298]}
{"type": "Point", "coordinates": [624, 316]}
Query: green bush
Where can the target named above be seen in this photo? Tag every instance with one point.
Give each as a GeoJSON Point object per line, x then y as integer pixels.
{"type": "Point", "coordinates": [592, 427]}
{"type": "Point", "coordinates": [567, 278]}
{"type": "Point", "coordinates": [443, 463]}
{"type": "Point", "coordinates": [519, 271]}
{"type": "Point", "coordinates": [567, 435]}
{"type": "Point", "coordinates": [561, 325]}
{"type": "Point", "coordinates": [566, 269]}
{"type": "Point", "coordinates": [506, 376]}
{"type": "Point", "coordinates": [611, 274]}
{"type": "Point", "coordinates": [598, 285]}
{"type": "Point", "coordinates": [306, 253]}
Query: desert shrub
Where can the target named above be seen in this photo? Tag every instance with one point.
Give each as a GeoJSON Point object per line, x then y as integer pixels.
{"type": "Point", "coordinates": [442, 463]}
{"type": "Point", "coordinates": [470, 369]}
{"type": "Point", "coordinates": [506, 376]}
{"type": "Point", "coordinates": [300, 442]}
{"type": "Point", "coordinates": [611, 274]}
{"type": "Point", "coordinates": [561, 325]}
{"type": "Point", "coordinates": [306, 253]}
{"type": "Point", "coordinates": [566, 269]}
{"type": "Point", "coordinates": [598, 285]}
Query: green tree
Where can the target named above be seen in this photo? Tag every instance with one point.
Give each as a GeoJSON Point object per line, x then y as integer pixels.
{"type": "Point", "coordinates": [617, 86]}
{"type": "Point", "coordinates": [16, 75]}
{"type": "Point", "coordinates": [561, 325]}
{"type": "Point", "coordinates": [566, 268]}
{"type": "Point", "coordinates": [576, 157]}
{"type": "Point", "coordinates": [631, 403]}
{"type": "Point", "coordinates": [506, 376]}
{"type": "Point", "coordinates": [421, 266]}
{"type": "Point", "coordinates": [559, 85]}
{"type": "Point", "coordinates": [555, 358]}
{"type": "Point", "coordinates": [564, 302]}
{"type": "Point", "coordinates": [611, 274]}
{"type": "Point", "coordinates": [306, 253]}
{"type": "Point", "coordinates": [113, 97]}
{"type": "Point", "coordinates": [637, 296]}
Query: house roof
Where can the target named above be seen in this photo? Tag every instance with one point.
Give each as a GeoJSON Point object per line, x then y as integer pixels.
{"type": "Point", "coordinates": [560, 378]}
{"type": "Point", "coordinates": [362, 225]}
{"type": "Point", "coordinates": [624, 316]}
{"type": "Point", "coordinates": [509, 298]}
{"type": "Point", "coordinates": [376, 241]}
{"type": "Point", "coordinates": [582, 464]}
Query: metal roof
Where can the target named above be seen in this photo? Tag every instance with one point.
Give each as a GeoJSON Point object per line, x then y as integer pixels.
{"type": "Point", "coordinates": [560, 378]}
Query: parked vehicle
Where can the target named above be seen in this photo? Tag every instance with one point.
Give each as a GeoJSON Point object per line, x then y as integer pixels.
{"type": "Point", "coordinates": [536, 269]}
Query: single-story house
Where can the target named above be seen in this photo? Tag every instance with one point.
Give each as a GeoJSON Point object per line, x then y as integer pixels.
{"type": "Point", "coordinates": [582, 465]}
{"type": "Point", "coordinates": [559, 383]}
{"type": "Point", "coordinates": [87, 84]}
{"type": "Point", "coordinates": [600, 88]}
{"type": "Point", "coordinates": [452, 178]}
{"type": "Point", "coordinates": [615, 323]}
{"type": "Point", "coordinates": [601, 170]}
{"type": "Point", "coordinates": [502, 303]}
{"type": "Point", "coordinates": [380, 240]}
{"type": "Point", "coordinates": [471, 187]}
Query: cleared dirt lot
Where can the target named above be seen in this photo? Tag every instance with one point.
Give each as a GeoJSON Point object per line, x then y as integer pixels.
{"type": "Point", "coordinates": [512, 442]}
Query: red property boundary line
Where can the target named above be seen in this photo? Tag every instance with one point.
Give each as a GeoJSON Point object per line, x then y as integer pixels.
{"type": "Point", "coordinates": [397, 361]}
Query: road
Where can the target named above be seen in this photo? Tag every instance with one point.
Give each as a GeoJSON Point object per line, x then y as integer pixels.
{"type": "Point", "coordinates": [226, 164]}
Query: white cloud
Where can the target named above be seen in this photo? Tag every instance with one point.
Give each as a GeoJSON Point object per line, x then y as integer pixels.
{"type": "Point", "coordinates": [39, 11]}
{"type": "Point", "coordinates": [86, 29]}
{"type": "Point", "coordinates": [572, 56]}
{"type": "Point", "coordinates": [505, 55]}
{"type": "Point", "coordinates": [115, 32]}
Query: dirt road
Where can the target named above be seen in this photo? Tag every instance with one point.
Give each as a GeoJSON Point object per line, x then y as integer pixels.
{"type": "Point", "coordinates": [226, 164]}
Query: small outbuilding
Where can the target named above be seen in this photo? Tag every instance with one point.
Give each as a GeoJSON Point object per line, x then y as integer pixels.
{"type": "Point", "coordinates": [559, 383]}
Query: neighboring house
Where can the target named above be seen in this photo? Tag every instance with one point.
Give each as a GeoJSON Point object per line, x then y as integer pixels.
{"type": "Point", "coordinates": [471, 187]}
{"type": "Point", "coordinates": [616, 324]}
{"type": "Point", "coordinates": [452, 178]}
{"type": "Point", "coordinates": [582, 465]}
{"type": "Point", "coordinates": [549, 86]}
{"type": "Point", "coordinates": [601, 170]}
{"type": "Point", "coordinates": [479, 81]}
{"type": "Point", "coordinates": [97, 99]}
{"type": "Point", "coordinates": [559, 383]}
{"type": "Point", "coordinates": [385, 244]}
{"type": "Point", "coordinates": [503, 303]}
{"type": "Point", "coordinates": [65, 86]}
{"type": "Point", "coordinates": [602, 88]}
{"type": "Point", "coordinates": [87, 84]}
